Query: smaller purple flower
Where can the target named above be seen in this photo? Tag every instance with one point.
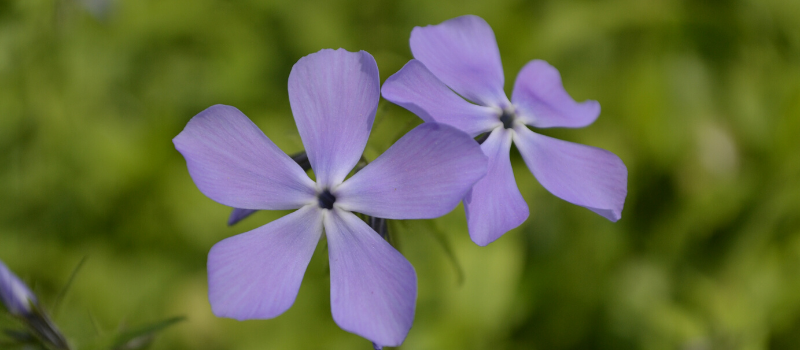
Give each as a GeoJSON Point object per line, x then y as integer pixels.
{"type": "Point", "coordinates": [15, 295]}
{"type": "Point", "coordinates": [334, 96]}
{"type": "Point", "coordinates": [460, 57]}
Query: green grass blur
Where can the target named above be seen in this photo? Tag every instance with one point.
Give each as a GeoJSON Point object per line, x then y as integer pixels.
{"type": "Point", "coordinates": [701, 100]}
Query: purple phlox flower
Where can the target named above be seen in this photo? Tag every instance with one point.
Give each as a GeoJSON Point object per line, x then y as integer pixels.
{"type": "Point", "coordinates": [460, 57]}
{"type": "Point", "coordinates": [334, 96]}
{"type": "Point", "coordinates": [15, 295]}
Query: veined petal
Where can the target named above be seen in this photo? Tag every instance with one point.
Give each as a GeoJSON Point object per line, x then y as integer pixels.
{"type": "Point", "coordinates": [587, 176]}
{"type": "Point", "coordinates": [334, 96]}
{"type": "Point", "coordinates": [416, 89]}
{"type": "Point", "coordinates": [494, 205]}
{"type": "Point", "coordinates": [462, 52]}
{"type": "Point", "coordinates": [257, 274]}
{"type": "Point", "coordinates": [232, 162]}
{"type": "Point", "coordinates": [423, 175]}
{"type": "Point", "coordinates": [373, 287]}
{"type": "Point", "coordinates": [541, 100]}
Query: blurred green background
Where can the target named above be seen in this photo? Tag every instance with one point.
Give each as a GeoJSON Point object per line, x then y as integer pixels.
{"type": "Point", "coordinates": [701, 100]}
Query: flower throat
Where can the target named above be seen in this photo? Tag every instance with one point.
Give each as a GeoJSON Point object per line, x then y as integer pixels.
{"type": "Point", "coordinates": [326, 199]}
{"type": "Point", "coordinates": [508, 119]}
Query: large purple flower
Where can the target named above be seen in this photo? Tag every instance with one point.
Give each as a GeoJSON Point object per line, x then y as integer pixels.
{"type": "Point", "coordinates": [334, 96]}
{"type": "Point", "coordinates": [460, 57]}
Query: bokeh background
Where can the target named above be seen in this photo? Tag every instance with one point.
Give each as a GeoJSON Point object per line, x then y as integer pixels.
{"type": "Point", "coordinates": [701, 100]}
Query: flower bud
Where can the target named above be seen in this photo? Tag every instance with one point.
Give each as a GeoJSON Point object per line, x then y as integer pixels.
{"type": "Point", "coordinates": [14, 294]}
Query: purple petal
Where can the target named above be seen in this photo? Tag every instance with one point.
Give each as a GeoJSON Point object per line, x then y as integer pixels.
{"type": "Point", "coordinates": [238, 214]}
{"type": "Point", "coordinates": [462, 53]}
{"type": "Point", "coordinates": [416, 89]}
{"type": "Point", "coordinates": [423, 175]}
{"type": "Point", "coordinates": [373, 287]}
{"type": "Point", "coordinates": [587, 176]}
{"type": "Point", "coordinates": [14, 294]}
{"type": "Point", "coordinates": [256, 275]}
{"type": "Point", "coordinates": [495, 206]}
{"type": "Point", "coordinates": [233, 163]}
{"type": "Point", "coordinates": [334, 97]}
{"type": "Point", "coordinates": [541, 101]}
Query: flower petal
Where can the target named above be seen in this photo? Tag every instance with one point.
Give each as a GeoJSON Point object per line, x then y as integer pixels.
{"type": "Point", "coordinates": [423, 175]}
{"type": "Point", "coordinates": [373, 287]}
{"type": "Point", "coordinates": [541, 101]}
{"type": "Point", "coordinates": [256, 275]}
{"type": "Point", "coordinates": [494, 205]}
{"type": "Point", "coordinates": [416, 89]}
{"type": "Point", "coordinates": [334, 97]}
{"type": "Point", "coordinates": [587, 176]}
{"type": "Point", "coordinates": [238, 214]}
{"type": "Point", "coordinates": [462, 52]}
{"type": "Point", "coordinates": [232, 162]}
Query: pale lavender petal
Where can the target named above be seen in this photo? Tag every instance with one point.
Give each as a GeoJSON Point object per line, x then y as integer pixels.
{"type": "Point", "coordinates": [373, 287]}
{"type": "Point", "coordinates": [415, 88]}
{"type": "Point", "coordinates": [462, 52]}
{"type": "Point", "coordinates": [494, 205]}
{"type": "Point", "coordinates": [334, 97]}
{"type": "Point", "coordinates": [256, 275]}
{"type": "Point", "coordinates": [541, 101]}
{"type": "Point", "coordinates": [238, 214]}
{"type": "Point", "coordinates": [14, 294]}
{"type": "Point", "coordinates": [423, 175]}
{"type": "Point", "coordinates": [232, 162]}
{"type": "Point", "coordinates": [587, 176]}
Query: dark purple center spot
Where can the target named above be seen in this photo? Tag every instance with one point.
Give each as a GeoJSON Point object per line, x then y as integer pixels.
{"type": "Point", "coordinates": [326, 199]}
{"type": "Point", "coordinates": [508, 119]}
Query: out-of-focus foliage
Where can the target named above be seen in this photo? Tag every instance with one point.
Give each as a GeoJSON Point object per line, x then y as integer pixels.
{"type": "Point", "coordinates": [701, 100]}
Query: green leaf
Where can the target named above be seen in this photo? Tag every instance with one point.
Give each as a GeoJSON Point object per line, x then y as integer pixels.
{"type": "Point", "coordinates": [63, 292]}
